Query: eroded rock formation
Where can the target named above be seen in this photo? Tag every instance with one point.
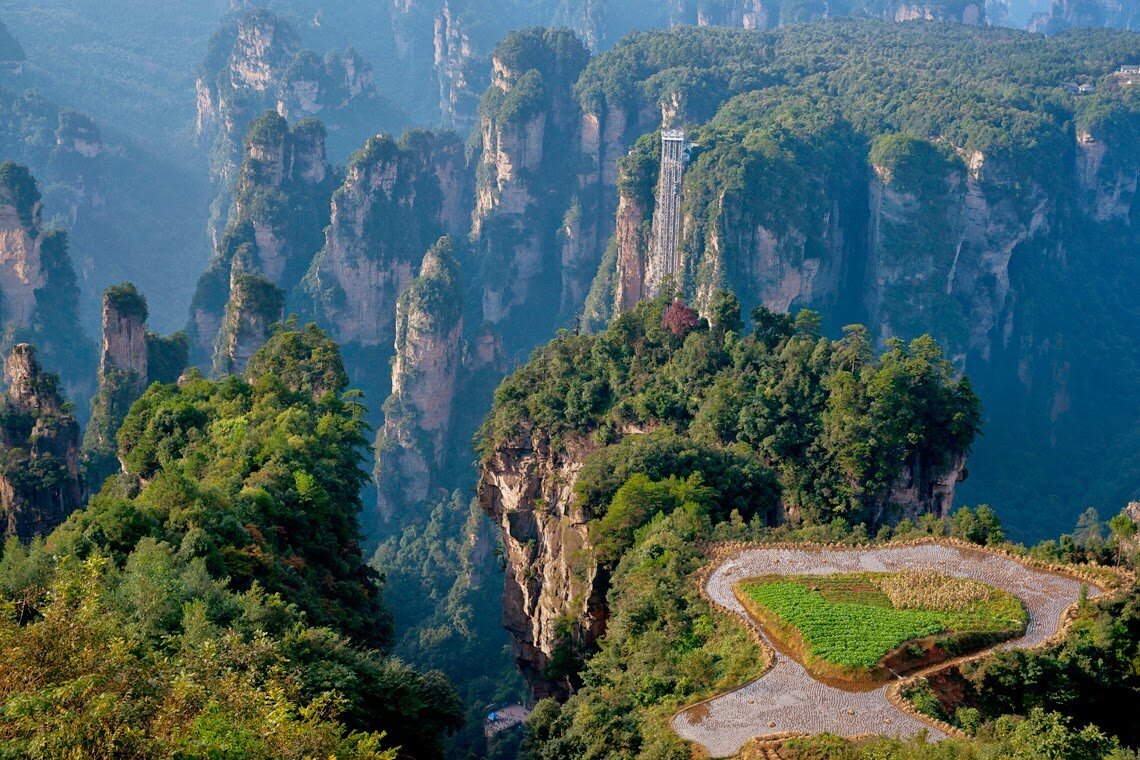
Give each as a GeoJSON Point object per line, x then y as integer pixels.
{"type": "Point", "coordinates": [536, 244]}
{"type": "Point", "coordinates": [255, 62]}
{"type": "Point", "coordinates": [131, 358]}
{"type": "Point", "coordinates": [397, 198]}
{"type": "Point", "coordinates": [39, 297]}
{"type": "Point", "coordinates": [554, 593]}
{"type": "Point", "coordinates": [255, 305]}
{"type": "Point", "coordinates": [281, 207]}
{"type": "Point", "coordinates": [40, 483]}
{"type": "Point", "coordinates": [417, 415]}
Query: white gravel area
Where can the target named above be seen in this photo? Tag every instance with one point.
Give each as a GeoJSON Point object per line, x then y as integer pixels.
{"type": "Point", "coordinates": [787, 699]}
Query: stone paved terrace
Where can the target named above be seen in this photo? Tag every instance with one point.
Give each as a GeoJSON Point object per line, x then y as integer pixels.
{"type": "Point", "coordinates": [787, 699]}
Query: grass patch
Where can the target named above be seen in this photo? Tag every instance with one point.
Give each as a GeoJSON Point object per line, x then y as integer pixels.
{"type": "Point", "coordinates": [857, 622]}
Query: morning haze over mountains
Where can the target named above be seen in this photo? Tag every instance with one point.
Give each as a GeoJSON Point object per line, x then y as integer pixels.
{"type": "Point", "coordinates": [570, 379]}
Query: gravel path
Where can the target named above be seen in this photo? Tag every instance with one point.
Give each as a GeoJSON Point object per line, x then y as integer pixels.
{"type": "Point", "coordinates": [787, 699]}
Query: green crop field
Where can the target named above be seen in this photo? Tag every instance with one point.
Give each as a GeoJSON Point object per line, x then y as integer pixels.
{"type": "Point", "coordinates": [854, 620]}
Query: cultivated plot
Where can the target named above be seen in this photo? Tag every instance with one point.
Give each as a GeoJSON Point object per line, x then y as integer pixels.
{"type": "Point", "coordinates": [788, 700]}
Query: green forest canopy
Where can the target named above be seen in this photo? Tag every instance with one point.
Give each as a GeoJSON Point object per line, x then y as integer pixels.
{"type": "Point", "coordinates": [212, 599]}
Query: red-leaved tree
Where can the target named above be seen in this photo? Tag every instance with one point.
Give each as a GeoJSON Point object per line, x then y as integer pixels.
{"type": "Point", "coordinates": [679, 318]}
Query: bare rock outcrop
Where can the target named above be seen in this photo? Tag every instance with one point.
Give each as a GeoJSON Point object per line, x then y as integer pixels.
{"type": "Point", "coordinates": [397, 198]}
{"type": "Point", "coordinates": [281, 207]}
{"type": "Point", "coordinates": [22, 270]}
{"type": "Point", "coordinates": [255, 63]}
{"type": "Point", "coordinates": [39, 295]}
{"type": "Point", "coordinates": [131, 358]}
{"type": "Point", "coordinates": [40, 481]}
{"type": "Point", "coordinates": [524, 224]}
{"type": "Point", "coordinates": [1107, 175]}
{"type": "Point", "coordinates": [554, 592]}
{"type": "Point", "coordinates": [254, 306]}
{"type": "Point", "coordinates": [124, 333]}
{"type": "Point", "coordinates": [417, 415]}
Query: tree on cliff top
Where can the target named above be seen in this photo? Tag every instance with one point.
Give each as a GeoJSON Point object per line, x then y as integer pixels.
{"type": "Point", "coordinates": [838, 432]}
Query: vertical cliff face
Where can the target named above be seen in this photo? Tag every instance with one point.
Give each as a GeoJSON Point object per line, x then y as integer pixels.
{"type": "Point", "coordinates": [455, 70]}
{"type": "Point", "coordinates": [923, 489]}
{"type": "Point", "coordinates": [131, 359]}
{"type": "Point", "coordinates": [77, 176]}
{"type": "Point", "coordinates": [40, 482]}
{"type": "Point", "coordinates": [524, 220]}
{"type": "Point", "coordinates": [554, 593]}
{"type": "Point", "coordinates": [255, 305]}
{"type": "Point", "coordinates": [124, 333]}
{"type": "Point", "coordinates": [255, 63]}
{"type": "Point", "coordinates": [397, 197]}
{"type": "Point", "coordinates": [39, 295]}
{"type": "Point", "coordinates": [631, 235]}
{"type": "Point", "coordinates": [944, 228]}
{"type": "Point", "coordinates": [636, 186]}
{"type": "Point", "coordinates": [918, 198]}
{"type": "Point", "coordinates": [281, 207]}
{"type": "Point", "coordinates": [782, 231]}
{"type": "Point", "coordinates": [417, 415]}
{"type": "Point", "coordinates": [22, 270]}
{"type": "Point", "coordinates": [1107, 169]}
{"type": "Point", "coordinates": [237, 79]}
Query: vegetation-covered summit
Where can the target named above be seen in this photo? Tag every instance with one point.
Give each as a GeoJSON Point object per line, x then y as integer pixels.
{"type": "Point", "coordinates": [828, 427]}
{"type": "Point", "coordinates": [213, 599]}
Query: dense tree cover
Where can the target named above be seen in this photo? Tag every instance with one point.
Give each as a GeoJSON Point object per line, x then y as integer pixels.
{"type": "Point", "coordinates": [824, 419]}
{"type": "Point", "coordinates": [888, 77]}
{"type": "Point", "coordinates": [801, 130]}
{"type": "Point", "coordinates": [442, 583]}
{"type": "Point", "coordinates": [212, 599]}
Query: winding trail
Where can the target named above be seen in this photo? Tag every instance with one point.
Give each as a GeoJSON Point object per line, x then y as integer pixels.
{"type": "Point", "coordinates": [787, 700]}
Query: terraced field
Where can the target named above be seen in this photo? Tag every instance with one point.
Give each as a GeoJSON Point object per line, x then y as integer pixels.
{"type": "Point", "coordinates": [788, 700]}
{"type": "Point", "coordinates": [843, 625]}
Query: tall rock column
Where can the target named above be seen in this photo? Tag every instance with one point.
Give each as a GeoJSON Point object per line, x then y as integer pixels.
{"type": "Point", "coordinates": [417, 416]}
{"type": "Point", "coordinates": [40, 482]}
{"type": "Point", "coordinates": [525, 227]}
{"type": "Point", "coordinates": [131, 359]}
{"type": "Point", "coordinates": [39, 294]}
{"type": "Point", "coordinates": [255, 305]}
{"type": "Point", "coordinates": [281, 208]}
{"type": "Point", "coordinates": [397, 198]}
{"type": "Point", "coordinates": [122, 377]}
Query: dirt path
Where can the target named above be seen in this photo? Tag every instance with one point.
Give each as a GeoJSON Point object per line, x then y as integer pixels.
{"type": "Point", "coordinates": [787, 700]}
